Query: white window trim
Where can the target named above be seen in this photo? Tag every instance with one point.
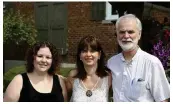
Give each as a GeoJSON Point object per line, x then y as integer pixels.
{"type": "Point", "coordinates": [109, 17]}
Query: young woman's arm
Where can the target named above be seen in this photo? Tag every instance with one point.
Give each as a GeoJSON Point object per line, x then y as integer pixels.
{"type": "Point", "coordinates": [63, 86]}
{"type": "Point", "coordinates": [69, 82]}
{"type": "Point", "coordinates": [13, 90]}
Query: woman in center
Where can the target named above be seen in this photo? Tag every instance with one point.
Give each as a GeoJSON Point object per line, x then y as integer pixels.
{"type": "Point", "coordinates": [91, 81]}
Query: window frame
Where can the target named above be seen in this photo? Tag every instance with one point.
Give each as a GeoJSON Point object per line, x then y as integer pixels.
{"type": "Point", "coordinates": [108, 14]}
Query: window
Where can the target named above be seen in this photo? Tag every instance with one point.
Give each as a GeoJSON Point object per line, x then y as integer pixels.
{"type": "Point", "coordinates": [109, 15]}
{"type": "Point", "coordinates": [102, 11]}
{"type": "Point", "coordinates": [111, 11]}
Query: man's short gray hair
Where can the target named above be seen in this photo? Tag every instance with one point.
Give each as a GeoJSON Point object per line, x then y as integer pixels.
{"type": "Point", "coordinates": [138, 22]}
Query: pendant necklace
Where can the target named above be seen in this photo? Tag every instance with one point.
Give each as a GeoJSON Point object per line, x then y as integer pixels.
{"type": "Point", "coordinates": [89, 91]}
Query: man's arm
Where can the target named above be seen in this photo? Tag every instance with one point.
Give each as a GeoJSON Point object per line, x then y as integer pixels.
{"type": "Point", "coordinates": [159, 85]}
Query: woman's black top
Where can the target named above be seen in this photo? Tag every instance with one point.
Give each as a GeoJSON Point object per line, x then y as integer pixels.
{"type": "Point", "coordinates": [29, 94]}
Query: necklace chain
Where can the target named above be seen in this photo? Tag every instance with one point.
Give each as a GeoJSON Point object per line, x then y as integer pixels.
{"type": "Point", "coordinates": [93, 86]}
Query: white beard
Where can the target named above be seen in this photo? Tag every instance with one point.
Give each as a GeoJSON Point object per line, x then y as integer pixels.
{"type": "Point", "coordinates": [129, 45]}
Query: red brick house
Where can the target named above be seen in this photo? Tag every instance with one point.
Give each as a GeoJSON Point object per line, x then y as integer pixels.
{"type": "Point", "coordinates": [65, 23]}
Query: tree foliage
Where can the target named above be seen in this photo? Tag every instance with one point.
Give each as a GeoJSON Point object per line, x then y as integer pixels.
{"type": "Point", "coordinates": [19, 33]}
{"type": "Point", "coordinates": [18, 28]}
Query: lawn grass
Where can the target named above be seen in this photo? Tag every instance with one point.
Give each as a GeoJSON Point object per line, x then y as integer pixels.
{"type": "Point", "coordinates": [64, 71]}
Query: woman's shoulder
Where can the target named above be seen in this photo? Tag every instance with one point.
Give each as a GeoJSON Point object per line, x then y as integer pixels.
{"type": "Point", "coordinates": [13, 90]}
{"type": "Point", "coordinates": [71, 76]}
{"type": "Point", "coordinates": [72, 73]}
{"type": "Point", "coordinates": [18, 78]}
{"type": "Point", "coordinates": [61, 77]}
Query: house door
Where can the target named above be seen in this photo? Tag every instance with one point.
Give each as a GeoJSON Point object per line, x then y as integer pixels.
{"type": "Point", "coordinates": [51, 23]}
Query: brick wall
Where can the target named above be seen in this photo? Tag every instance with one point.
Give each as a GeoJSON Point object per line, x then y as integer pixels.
{"type": "Point", "coordinates": [159, 15]}
{"type": "Point", "coordinates": [80, 25]}
{"type": "Point", "coordinates": [26, 8]}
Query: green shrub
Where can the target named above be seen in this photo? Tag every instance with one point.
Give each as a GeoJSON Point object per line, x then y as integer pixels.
{"type": "Point", "coordinates": [18, 28]}
{"type": "Point", "coordinates": [19, 33]}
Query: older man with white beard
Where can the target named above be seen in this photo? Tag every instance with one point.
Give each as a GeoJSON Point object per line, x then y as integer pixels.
{"type": "Point", "coordinates": [137, 75]}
